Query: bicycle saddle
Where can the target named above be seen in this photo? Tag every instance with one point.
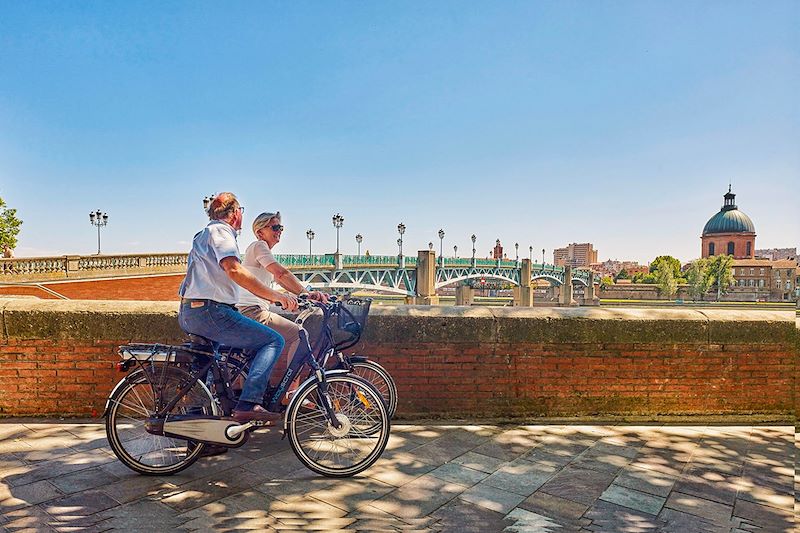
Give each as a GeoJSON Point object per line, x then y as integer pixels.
{"type": "Point", "coordinates": [199, 342]}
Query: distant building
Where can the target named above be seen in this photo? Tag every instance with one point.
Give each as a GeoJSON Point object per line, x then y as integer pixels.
{"type": "Point", "coordinates": [576, 255]}
{"type": "Point", "coordinates": [776, 254]}
{"type": "Point", "coordinates": [497, 252]}
{"type": "Point", "coordinates": [769, 280]}
{"type": "Point", "coordinates": [729, 232]}
{"type": "Point", "coordinates": [612, 267]}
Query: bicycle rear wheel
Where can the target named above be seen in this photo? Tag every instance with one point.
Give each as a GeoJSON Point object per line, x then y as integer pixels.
{"type": "Point", "coordinates": [378, 377]}
{"type": "Point", "coordinates": [135, 402]}
{"type": "Point", "coordinates": [344, 451]}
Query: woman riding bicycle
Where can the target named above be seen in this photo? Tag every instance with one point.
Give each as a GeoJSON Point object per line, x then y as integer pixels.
{"type": "Point", "coordinates": [258, 259]}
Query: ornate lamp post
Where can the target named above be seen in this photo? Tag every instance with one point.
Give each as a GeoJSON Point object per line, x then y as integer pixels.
{"type": "Point", "coordinates": [98, 219]}
{"type": "Point", "coordinates": [401, 228]}
{"type": "Point", "coordinates": [441, 246]}
{"type": "Point", "coordinates": [455, 251]}
{"type": "Point", "coordinates": [430, 246]}
{"type": "Point", "coordinates": [310, 235]}
{"type": "Point", "coordinates": [338, 222]}
{"type": "Point", "coordinates": [531, 256]}
{"type": "Point", "coordinates": [400, 247]}
{"type": "Point", "coordinates": [516, 251]}
{"type": "Point", "coordinates": [473, 249]}
{"type": "Point", "coordinates": [359, 238]}
{"type": "Point", "coordinates": [542, 257]}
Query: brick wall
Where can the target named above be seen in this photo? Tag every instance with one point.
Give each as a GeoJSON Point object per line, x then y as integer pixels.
{"type": "Point", "coordinates": [152, 288]}
{"type": "Point", "coordinates": [58, 357]}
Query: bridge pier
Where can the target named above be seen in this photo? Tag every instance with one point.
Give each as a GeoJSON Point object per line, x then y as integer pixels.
{"type": "Point", "coordinates": [523, 295]}
{"type": "Point", "coordinates": [426, 278]}
{"type": "Point", "coordinates": [464, 295]}
{"type": "Point", "coordinates": [565, 298]}
{"type": "Point", "coordinates": [589, 296]}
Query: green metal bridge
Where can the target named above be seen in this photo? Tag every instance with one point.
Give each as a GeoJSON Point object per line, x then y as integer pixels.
{"type": "Point", "coordinates": [398, 274]}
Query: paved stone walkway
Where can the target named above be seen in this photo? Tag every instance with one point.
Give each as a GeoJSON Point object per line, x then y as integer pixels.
{"type": "Point", "coordinates": [61, 475]}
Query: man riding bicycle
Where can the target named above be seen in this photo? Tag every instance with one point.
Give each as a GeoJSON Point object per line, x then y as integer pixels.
{"type": "Point", "coordinates": [210, 292]}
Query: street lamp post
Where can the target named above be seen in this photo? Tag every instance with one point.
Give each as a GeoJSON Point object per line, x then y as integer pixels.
{"type": "Point", "coordinates": [98, 219]}
{"type": "Point", "coordinates": [516, 251]}
{"type": "Point", "coordinates": [401, 228]}
{"type": "Point", "coordinates": [400, 247]}
{"type": "Point", "coordinates": [455, 251]}
{"type": "Point", "coordinates": [441, 246]}
{"type": "Point", "coordinates": [531, 256]}
{"type": "Point", "coordinates": [542, 257]}
{"type": "Point", "coordinates": [430, 246]}
{"type": "Point", "coordinates": [310, 235]}
{"type": "Point", "coordinates": [338, 222]}
{"type": "Point", "coordinates": [473, 249]}
{"type": "Point", "coordinates": [359, 238]}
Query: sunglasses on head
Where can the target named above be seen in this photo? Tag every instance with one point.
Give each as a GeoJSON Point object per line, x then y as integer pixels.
{"type": "Point", "coordinates": [276, 227]}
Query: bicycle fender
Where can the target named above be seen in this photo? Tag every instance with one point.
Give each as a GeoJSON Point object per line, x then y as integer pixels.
{"type": "Point", "coordinates": [119, 384]}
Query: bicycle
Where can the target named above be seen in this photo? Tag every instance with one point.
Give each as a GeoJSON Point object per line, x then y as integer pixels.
{"type": "Point", "coordinates": [338, 326]}
{"type": "Point", "coordinates": [161, 415]}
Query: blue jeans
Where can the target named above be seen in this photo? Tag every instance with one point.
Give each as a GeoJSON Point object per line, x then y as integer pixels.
{"type": "Point", "coordinates": [224, 324]}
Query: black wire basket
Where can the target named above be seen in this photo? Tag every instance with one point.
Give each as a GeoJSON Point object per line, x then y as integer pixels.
{"type": "Point", "coordinates": [351, 321]}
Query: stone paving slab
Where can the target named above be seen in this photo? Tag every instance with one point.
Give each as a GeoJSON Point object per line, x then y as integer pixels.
{"type": "Point", "coordinates": [61, 476]}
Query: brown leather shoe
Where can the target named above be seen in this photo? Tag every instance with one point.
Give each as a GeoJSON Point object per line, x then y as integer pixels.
{"type": "Point", "coordinates": [258, 414]}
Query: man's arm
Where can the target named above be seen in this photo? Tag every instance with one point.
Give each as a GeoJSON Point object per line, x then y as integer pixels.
{"type": "Point", "coordinates": [245, 279]}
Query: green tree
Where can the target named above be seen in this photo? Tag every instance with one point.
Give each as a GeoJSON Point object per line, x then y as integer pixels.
{"type": "Point", "coordinates": [606, 281]}
{"type": "Point", "coordinates": [699, 279]}
{"type": "Point", "coordinates": [665, 279]}
{"type": "Point", "coordinates": [622, 274]}
{"type": "Point", "coordinates": [9, 226]}
{"type": "Point", "coordinates": [640, 277]}
{"type": "Point", "coordinates": [668, 262]}
{"type": "Point", "coordinates": [720, 270]}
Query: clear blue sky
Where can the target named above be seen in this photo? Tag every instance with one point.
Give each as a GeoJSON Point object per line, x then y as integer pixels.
{"type": "Point", "coordinates": [545, 123]}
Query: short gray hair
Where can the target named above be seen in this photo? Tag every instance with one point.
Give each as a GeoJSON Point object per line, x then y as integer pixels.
{"type": "Point", "coordinates": [263, 219]}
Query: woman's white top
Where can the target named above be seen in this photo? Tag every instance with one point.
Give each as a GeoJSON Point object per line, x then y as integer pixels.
{"type": "Point", "coordinates": [257, 258]}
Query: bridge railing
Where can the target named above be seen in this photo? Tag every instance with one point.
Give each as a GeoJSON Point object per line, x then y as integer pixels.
{"type": "Point", "coordinates": [30, 269]}
{"type": "Point", "coordinates": [306, 260]}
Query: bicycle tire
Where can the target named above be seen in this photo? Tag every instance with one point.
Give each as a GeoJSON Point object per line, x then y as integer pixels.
{"type": "Point", "coordinates": [379, 378]}
{"type": "Point", "coordinates": [359, 406]}
{"type": "Point", "coordinates": [133, 403]}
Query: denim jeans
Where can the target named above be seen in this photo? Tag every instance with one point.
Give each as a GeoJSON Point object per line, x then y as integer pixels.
{"type": "Point", "coordinates": [224, 324]}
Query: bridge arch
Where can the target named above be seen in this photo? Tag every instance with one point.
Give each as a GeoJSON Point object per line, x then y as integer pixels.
{"type": "Point", "coordinates": [475, 275]}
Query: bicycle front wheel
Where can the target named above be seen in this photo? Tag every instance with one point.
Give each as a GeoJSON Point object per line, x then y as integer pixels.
{"type": "Point", "coordinates": [378, 377]}
{"type": "Point", "coordinates": [356, 444]}
{"type": "Point", "coordinates": [135, 402]}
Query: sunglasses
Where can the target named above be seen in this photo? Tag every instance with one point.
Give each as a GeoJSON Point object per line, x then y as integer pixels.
{"type": "Point", "coordinates": [276, 227]}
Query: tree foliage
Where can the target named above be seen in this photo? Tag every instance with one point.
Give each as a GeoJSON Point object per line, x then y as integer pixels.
{"type": "Point", "coordinates": [666, 262]}
{"type": "Point", "coordinates": [699, 279]}
{"type": "Point", "coordinates": [720, 269]}
{"type": "Point", "coordinates": [9, 225]}
{"type": "Point", "coordinates": [640, 277]}
{"type": "Point", "coordinates": [665, 279]}
{"type": "Point", "coordinates": [622, 274]}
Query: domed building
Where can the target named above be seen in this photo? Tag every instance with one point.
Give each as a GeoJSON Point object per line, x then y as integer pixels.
{"type": "Point", "coordinates": [729, 232]}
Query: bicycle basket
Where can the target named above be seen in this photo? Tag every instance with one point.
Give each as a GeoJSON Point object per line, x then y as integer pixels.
{"type": "Point", "coordinates": [351, 320]}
